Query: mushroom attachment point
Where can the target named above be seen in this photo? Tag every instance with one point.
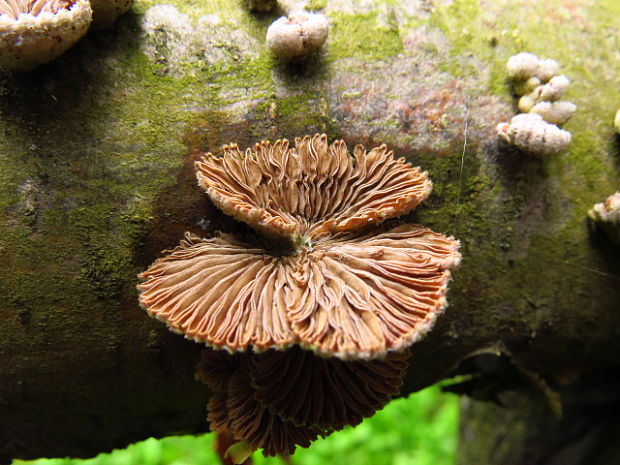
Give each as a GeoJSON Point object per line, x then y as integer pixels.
{"type": "Point", "coordinates": [33, 32]}
{"type": "Point", "coordinates": [345, 286]}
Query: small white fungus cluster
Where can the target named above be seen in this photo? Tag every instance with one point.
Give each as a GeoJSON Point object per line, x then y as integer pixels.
{"type": "Point", "coordinates": [31, 39]}
{"type": "Point", "coordinates": [34, 32]}
{"type": "Point", "coordinates": [530, 133]}
{"type": "Point", "coordinates": [540, 87]}
{"type": "Point", "coordinates": [607, 215]}
{"type": "Point", "coordinates": [297, 35]}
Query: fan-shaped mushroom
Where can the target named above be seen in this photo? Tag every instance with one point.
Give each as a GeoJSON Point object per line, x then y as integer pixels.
{"type": "Point", "coordinates": [33, 32]}
{"type": "Point", "coordinates": [344, 286]}
{"type": "Point", "coordinates": [344, 289]}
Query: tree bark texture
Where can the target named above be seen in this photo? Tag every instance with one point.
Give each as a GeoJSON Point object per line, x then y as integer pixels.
{"type": "Point", "coordinates": [96, 179]}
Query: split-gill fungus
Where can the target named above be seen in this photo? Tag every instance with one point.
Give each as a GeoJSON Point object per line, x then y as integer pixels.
{"type": "Point", "coordinates": [277, 400]}
{"type": "Point", "coordinates": [326, 277]}
{"type": "Point", "coordinates": [33, 32]}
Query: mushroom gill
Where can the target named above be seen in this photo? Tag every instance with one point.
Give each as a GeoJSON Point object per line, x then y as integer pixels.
{"type": "Point", "coordinates": [327, 393]}
{"type": "Point", "coordinates": [33, 32]}
{"type": "Point", "coordinates": [13, 8]}
{"type": "Point", "coordinates": [278, 400]}
{"type": "Point", "coordinates": [312, 189]}
{"type": "Point", "coordinates": [352, 295]}
{"type": "Point", "coordinates": [235, 409]}
{"type": "Point", "coordinates": [347, 288]}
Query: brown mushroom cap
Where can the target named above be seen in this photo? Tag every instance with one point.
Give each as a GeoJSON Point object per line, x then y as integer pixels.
{"type": "Point", "coordinates": [33, 32]}
{"type": "Point", "coordinates": [362, 294]}
{"type": "Point", "coordinates": [217, 415]}
{"type": "Point", "coordinates": [260, 428]}
{"type": "Point", "coordinates": [313, 188]}
{"type": "Point", "coordinates": [216, 367]}
{"type": "Point", "coordinates": [13, 8]}
{"type": "Point", "coordinates": [223, 292]}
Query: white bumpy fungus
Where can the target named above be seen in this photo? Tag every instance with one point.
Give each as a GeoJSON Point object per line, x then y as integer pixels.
{"type": "Point", "coordinates": [553, 90]}
{"type": "Point", "coordinates": [617, 121]}
{"type": "Point", "coordinates": [607, 215]}
{"type": "Point", "coordinates": [33, 33]}
{"type": "Point", "coordinates": [540, 87]}
{"type": "Point", "coordinates": [106, 12]}
{"type": "Point", "coordinates": [297, 35]}
{"type": "Point", "coordinates": [555, 112]}
{"type": "Point", "coordinates": [523, 66]}
{"type": "Point", "coordinates": [530, 133]}
{"type": "Point", "coordinates": [547, 69]}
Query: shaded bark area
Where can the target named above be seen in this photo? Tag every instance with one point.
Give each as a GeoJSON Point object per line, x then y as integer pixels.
{"type": "Point", "coordinates": [523, 429]}
{"type": "Point", "coordinates": [96, 179]}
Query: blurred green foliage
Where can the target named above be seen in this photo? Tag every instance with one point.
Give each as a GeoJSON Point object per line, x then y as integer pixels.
{"type": "Point", "coordinates": [419, 430]}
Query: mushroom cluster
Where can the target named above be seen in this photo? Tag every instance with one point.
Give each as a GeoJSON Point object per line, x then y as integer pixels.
{"type": "Point", "coordinates": [34, 32]}
{"type": "Point", "coordinates": [540, 87]}
{"type": "Point", "coordinates": [325, 276]}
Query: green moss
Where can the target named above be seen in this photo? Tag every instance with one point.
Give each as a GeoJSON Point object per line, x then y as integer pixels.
{"type": "Point", "coordinates": [572, 181]}
{"type": "Point", "coordinates": [363, 36]}
{"type": "Point", "coordinates": [314, 5]}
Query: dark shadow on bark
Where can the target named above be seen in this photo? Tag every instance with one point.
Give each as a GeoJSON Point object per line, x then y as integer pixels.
{"type": "Point", "coordinates": [615, 150]}
{"type": "Point", "coordinates": [522, 430]}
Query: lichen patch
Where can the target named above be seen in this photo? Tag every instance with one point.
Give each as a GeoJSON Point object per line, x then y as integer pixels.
{"type": "Point", "coordinates": [174, 40]}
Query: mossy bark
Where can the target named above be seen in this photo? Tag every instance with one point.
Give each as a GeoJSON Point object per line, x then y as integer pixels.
{"type": "Point", "coordinates": [96, 179]}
